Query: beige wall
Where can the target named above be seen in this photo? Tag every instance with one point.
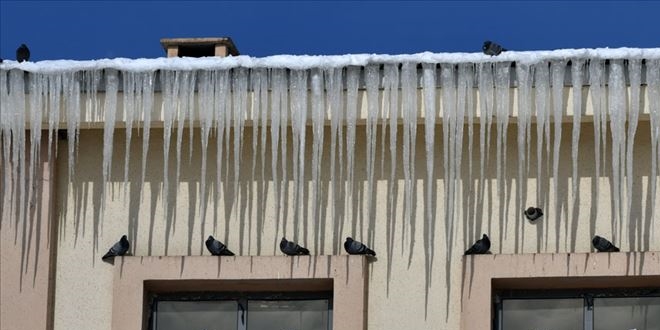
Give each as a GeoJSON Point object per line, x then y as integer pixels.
{"type": "Point", "coordinates": [414, 280]}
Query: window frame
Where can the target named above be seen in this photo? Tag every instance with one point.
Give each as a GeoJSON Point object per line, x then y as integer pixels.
{"type": "Point", "coordinates": [588, 296]}
{"type": "Point", "coordinates": [241, 297]}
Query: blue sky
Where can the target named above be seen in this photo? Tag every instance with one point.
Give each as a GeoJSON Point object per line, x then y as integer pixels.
{"type": "Point", "coordinates": [102, 29]}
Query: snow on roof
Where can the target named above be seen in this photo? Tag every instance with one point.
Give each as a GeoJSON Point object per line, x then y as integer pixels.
{"type": "Point", "coordinates": [301, 62]}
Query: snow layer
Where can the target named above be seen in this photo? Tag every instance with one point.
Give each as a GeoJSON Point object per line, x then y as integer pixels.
{"type": "Point", "coordinates": [301, 62]}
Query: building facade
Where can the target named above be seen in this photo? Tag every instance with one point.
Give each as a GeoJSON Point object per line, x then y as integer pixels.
{"type": "Point", "coordinates": [415, 155]}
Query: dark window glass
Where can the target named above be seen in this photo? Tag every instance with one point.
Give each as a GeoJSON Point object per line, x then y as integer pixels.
{"type": "Point", "coordinates": [546, 314]}
{"type": "Point", "coordinates": [288, 314]}
{"type": "Point", "coordinates": [184, 315]}
{"type": "Point", "coordinates": [640, 313]}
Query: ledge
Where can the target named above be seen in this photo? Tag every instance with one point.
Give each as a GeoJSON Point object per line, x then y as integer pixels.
{"type": "Point", "coordinates": [135, 276]}
{"type": "Point", "coordinates": [484, 273]}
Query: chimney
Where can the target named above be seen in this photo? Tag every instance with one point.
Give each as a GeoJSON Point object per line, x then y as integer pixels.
{"type": "Point", "coordinates": [199, 47]}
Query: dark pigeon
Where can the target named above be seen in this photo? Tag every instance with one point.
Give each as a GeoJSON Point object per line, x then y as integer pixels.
{"type": "Point", "coordinates": [533, 213]}
{"type": "Point", "coordinates": [291, 248]}
{"type": "Point", "coordinates": [603, 245]}
{"type": "Point", "coordinates": [480, 247]}
{"type": "Point", "coordinates": [492, 49]}
{"type": "Point", "coordinates": [217, 248]}
{"type": "Point", "coordinates": [22, 53]}
{"type": "Point", "coordinates": [354, 247]}
{"type": "Point", "coordinates": [119, 249]}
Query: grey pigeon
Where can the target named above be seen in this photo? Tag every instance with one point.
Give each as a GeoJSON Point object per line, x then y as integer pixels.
{"type": "Point", "coordinates": [480, 247]}
{"type": "Point", "coordinates": [217, 248]}
{"type": "Point", "coordinates": [354, 247]}
{"type": "Point", "coordinates": [492, 49]}
{"type": "Point", "coordinates": [533, 213]}
{"type": "Point", "coordinates": [22, 53]}
{"type": "Point", "coordinates": [118, 249]}
{"type": "Point", "coordinates": [292, 248]}
{"type": "Point", "coordinates": [603, 245]}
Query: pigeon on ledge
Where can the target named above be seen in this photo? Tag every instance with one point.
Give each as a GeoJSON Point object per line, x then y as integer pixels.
{"type": "Point", "coordinates": [292, 248]}
{"type": "Point", "coordinates": [354, 247]}
{"type": "Point", "coordinates": [217, 248]}
{"type": "Point", "coordinates": [480, 247]}
{"type": "Point", "coordinates": [603, 245]}
{"type": "Point", "coordinates": [118, 249]}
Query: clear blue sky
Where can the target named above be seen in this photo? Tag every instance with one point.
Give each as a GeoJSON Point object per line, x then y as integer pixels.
{"type": "Point", "coordinates": [101, 29]}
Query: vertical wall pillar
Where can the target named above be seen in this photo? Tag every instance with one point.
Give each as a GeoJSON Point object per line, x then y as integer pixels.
{"type": "Point", "coordinates": [27, 247]}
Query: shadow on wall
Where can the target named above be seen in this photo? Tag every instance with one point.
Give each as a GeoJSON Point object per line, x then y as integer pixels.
{"type": "Point", "coordinates": [241, 205]}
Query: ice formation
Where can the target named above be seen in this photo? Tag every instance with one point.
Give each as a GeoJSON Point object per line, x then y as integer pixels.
{"type": "Point", "coordinates": [283, 96]}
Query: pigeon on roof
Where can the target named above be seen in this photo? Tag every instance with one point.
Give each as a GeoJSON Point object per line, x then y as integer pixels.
{"type": "Point", "coordinates": [23, 53]}
{"type": "Point", "coordinates": [118, 249]}
{"type": "Point", "coordinates": [480, 247]}
{"type": "Point", "coordinates": [292, 248]}
{"type": "Point", "coordinates": [217, 248]}
{"type": "Point", "coordinates": [492, 49]}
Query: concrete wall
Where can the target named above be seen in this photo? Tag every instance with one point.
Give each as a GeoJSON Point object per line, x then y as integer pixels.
{"type": "Point", "coordinates": [415, 282]}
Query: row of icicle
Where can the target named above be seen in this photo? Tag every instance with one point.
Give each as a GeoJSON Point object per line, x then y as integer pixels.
{"type": "Point", "coordinates": [225, 100]}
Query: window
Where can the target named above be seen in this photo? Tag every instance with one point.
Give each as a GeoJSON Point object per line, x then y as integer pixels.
{"type": "Point", "coordinates": [578, 310]}
{"type": "Point", "coordinates": [241, 311]}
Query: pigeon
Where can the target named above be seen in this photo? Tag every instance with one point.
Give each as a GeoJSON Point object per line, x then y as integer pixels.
{"type": "Point", "coordinates": [533, 213]}
{"type": "Point", "coordinates": [480, 247]}
{"type": "Point", "coordinates": [603, 245]}
{"type": "Point", "coordinates": [492, 49]}
{"type": "Point", "coordinates": [118, 249]}
{"type": "Point", "coordinates": [22, 53]}
{"type": "Point", "coordinates": [354, 247]}
{"type": "Point", "coordinates": [217, 248]}
{"type": "Point", "coordinates": [292, 249]}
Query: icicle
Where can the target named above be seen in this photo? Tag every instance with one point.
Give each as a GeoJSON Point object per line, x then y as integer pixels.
{"type": "Point", "coordinates": [635, 74]}
{"type": "Point", "coordinates": [502, 89]}
{"type": "Point", "coordinates": [278, 86]}
{"type": "Point", "coordinates": [430, 114]}
{"type": "Point", "coordinates": [558, 72]}
{"type": "Point", "coordinates": [5, 136]}
{"type": "Point", "coordinates": [318, 118]}
{"type": "Point", "coordinates": [333, 86]}
{"type": "Point", "coordinates": [409, 109]}
{"type": "Point", "coordinates": [36, 92]}
{"type": "Point", "coordinates": [284, 127]}
{"type": "Point", "coordinates": [17, 127]}
{"type": "Point", "coordinates": [485, 114]}
{"type": "Point", "coordinates": [110, 108]}
{"type": "Point", "coordinates": [239, 107]}
{"type": "Point", "coordinates": [298, 87]}
{"type": "Point", "coordinates": [146, 81]}
{"type": "Point", "coordinates": [524, 75]}
{"type": "Point", "coordinates": [617, 110]}
{"type": "Point", "coordinates": [184, 91]}
{"type": "Point", "coordinates": [576, 80]}
{"type": "Point", "coordinates": [206, 111]}
{"type": "Point", "coordinates": [391, 96]}
{"type": "Point", "coordinates": [221, 108]}
{"type": "Point", "coordinates": [449, 114]}
{"type": "Point", "coordinates": [653, 88]}
{"type": "Point", "coordinates": [352, 77]}
{"type": "Point", "coordinates": [542, 81]}
{"type": "Point", "coordinates": [54, 96]}
{"type": "Point", "coordinates": [169, 79]}
{"type": "Point", "coordinates": [131, 100]}
{"type": "Point", "coordinates": [372, 80]}
{"type": "Point", "coordinates": [71, 90]}
{"type": "Point", "coordinates": [596, 83]}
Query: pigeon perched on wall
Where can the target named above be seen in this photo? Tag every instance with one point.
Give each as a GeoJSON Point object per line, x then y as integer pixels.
{"type": "Point", "coordinates": [22, 53]}
{"type": "Point", "coordinates": [118, 249]}
{"type": "Point", "coordinates": [480, 247]}
{"type": "Point", "coordinates": [603, 245]}
{"type": "Point", "coordinates": [533, 213]}
{"type": "Point", "coordinates": [217, 248]}
{"type": "Point", "coordinates": [492, 49]}
{"type": "Point", "coordinates": [354, 247]}
{"type": "Point", "coordinates": [292, 248]}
